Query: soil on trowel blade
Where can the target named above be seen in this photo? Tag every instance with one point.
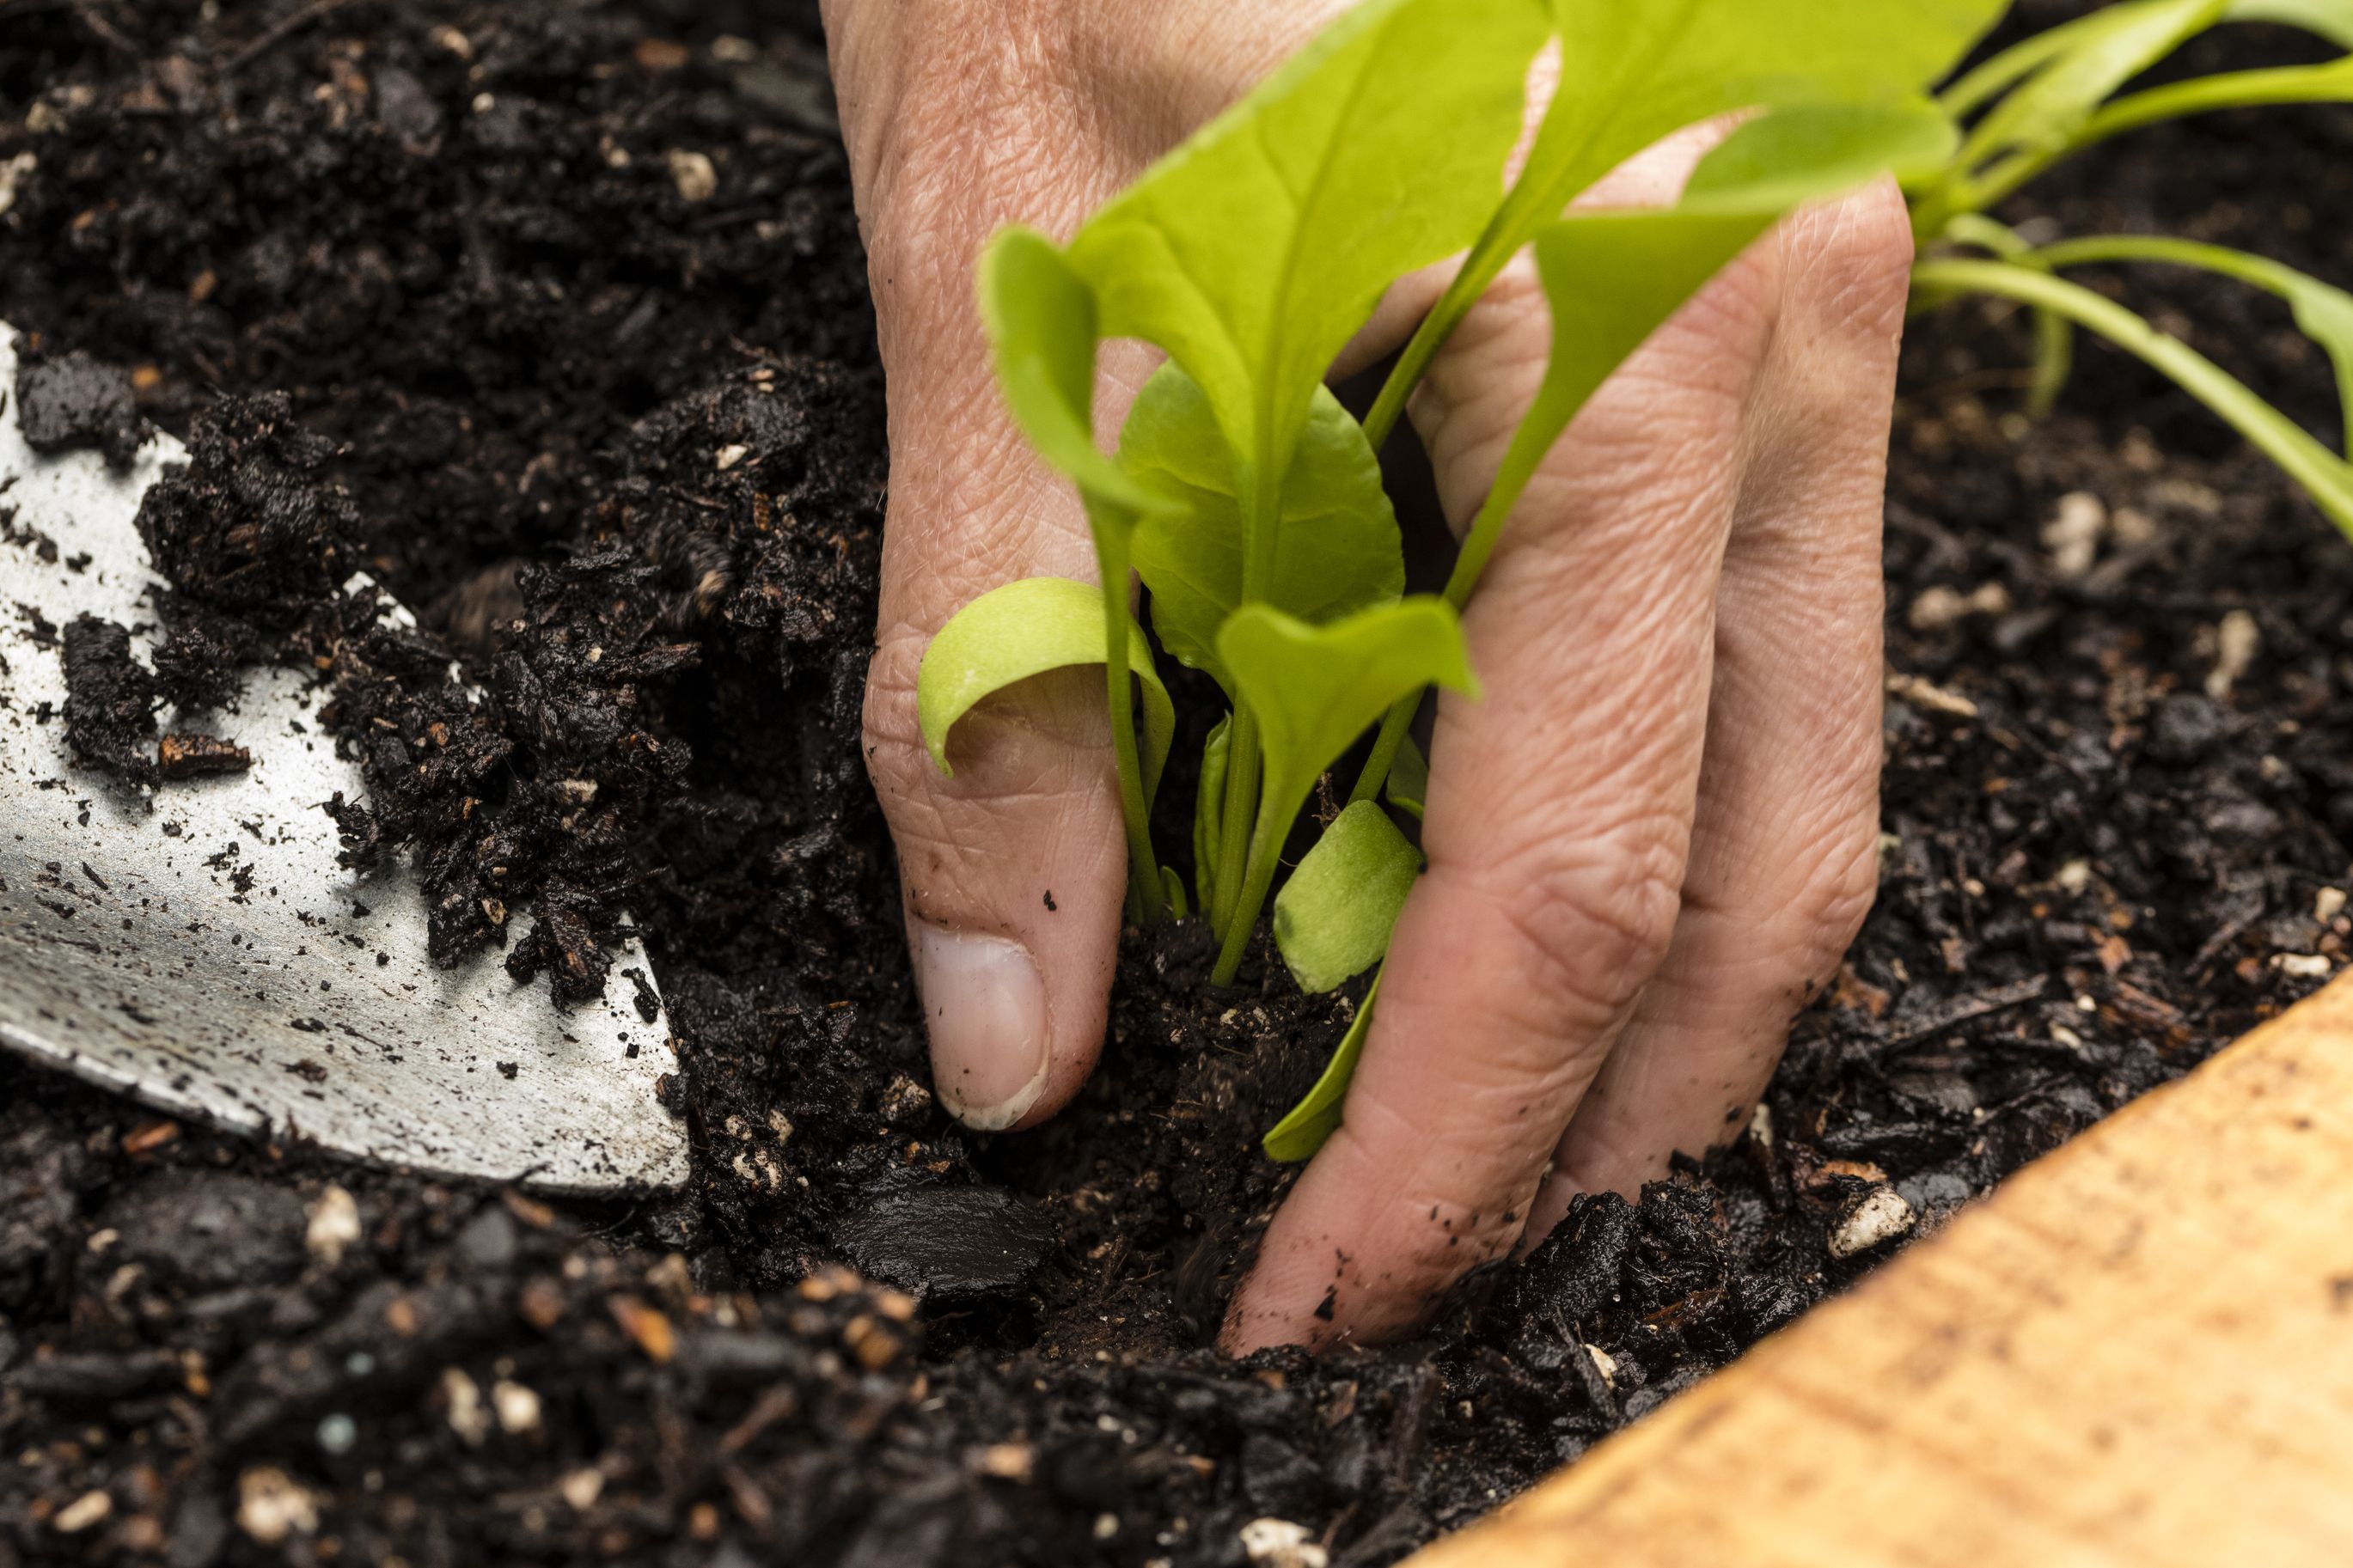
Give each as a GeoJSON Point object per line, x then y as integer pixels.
{"type": "Point", "coordinates": [551, 321]}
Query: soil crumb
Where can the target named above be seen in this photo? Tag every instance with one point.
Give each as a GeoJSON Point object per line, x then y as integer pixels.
{"type": "Point", "coordinates": [73, 401]}
{"type": "Point", "coordinates": [111, 700]}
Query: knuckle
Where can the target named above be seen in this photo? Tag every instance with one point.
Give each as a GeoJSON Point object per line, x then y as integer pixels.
{"type": "Point", "coordinates": [1593, 918]}
{"type": "Point", "coordinates": [1835, 894]}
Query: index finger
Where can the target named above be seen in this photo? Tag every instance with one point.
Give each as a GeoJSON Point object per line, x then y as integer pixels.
{"type": "Point", "coordinates": [1559, 818]}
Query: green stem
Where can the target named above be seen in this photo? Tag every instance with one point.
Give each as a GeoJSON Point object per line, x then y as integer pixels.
{"type": "Point", "coordinates": [2329, 83]}
{"type": "Point", "coordinates": [1394, 724]}
{"type": "Point", "coordinates": [1520, 463]}
{"type": "Point", "coordinates": [1146, 900]}
{"type": "Point", "coordinates": [1265, 849]}
{"type": "Point", "coordinates": [2326, 477]}
{"type": "Point", "coordinates": [1241, 810]}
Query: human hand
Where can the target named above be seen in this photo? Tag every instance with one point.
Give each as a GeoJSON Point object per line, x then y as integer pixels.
{"type": "Point", "coordinates": [1648, 843]}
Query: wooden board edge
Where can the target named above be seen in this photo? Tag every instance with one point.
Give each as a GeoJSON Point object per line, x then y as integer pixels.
{"type": "Point", "coordinates": [2137, 1350]}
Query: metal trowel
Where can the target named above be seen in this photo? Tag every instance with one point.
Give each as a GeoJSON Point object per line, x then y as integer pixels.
{"type": "Point", "coordinates": [201, 947]}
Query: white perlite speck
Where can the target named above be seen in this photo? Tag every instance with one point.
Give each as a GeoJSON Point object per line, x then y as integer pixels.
{"type": "Point", "coordinates": [1279, 1544]}
{"type": "Point", "coordinates": [334, 1226]}
{"type": "Point", "coordinates": [1882, 1215]}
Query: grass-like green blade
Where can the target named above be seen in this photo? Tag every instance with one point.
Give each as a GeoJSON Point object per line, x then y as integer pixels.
{"type": "Point", "coordinates": [1303, 1131]}
{"type": "Point", "coordinates": [2324, 312]}
{"type": "Point", "coordinates": [2324, 476]}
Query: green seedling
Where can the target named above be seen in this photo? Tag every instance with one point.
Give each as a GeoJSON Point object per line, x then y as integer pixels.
{"type": "Point", "coordinates": [1249, 502]}
{"type": "Point", "coordinates": [2064, 91]}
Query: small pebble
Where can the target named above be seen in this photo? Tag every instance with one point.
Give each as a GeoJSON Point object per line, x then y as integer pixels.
{"type": "Point", "coordinates": [334, 1226]}
{"type": "Point", "coordinates": [272, 1505]}
{"type": "Point", "coordinates": [2236, 642]}
{"type": "Point", "coordinates": [338, 1434]}
{"type": "Point", "coordinates": [694, 175]}
{"type": "Point", "coordinates": [82, 1512]}
{"type": "Point", "coordinates": [1882, 1215]}
{"type": "Point", "coordinates": [2327, 904]}
{"type": "Point", "coordinates": [2073, 536]}
{"type": "Point", "coordinates": [463, 1395]}
{"type": "Point", "coordinates": [517, 1408]}
{"type": "Point", "coordinates": [1279, 1544]}
{"type": "Point", "coordinates": [2303, 965]}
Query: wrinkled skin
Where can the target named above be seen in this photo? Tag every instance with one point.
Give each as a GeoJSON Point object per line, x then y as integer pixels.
{"type": "Point", "coordinates": [1649, 841]}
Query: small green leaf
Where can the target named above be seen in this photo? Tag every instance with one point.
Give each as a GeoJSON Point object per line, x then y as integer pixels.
{"type": "Point", "coordinates": [1255, 250]}
{"type": "Point", "coordinates": [1209, 810]}
{"type": "Point", "coordinates": [1409, 781]}
{"type": "Point", "coordinates": [1026, 628]}
{"type": "Point", "coordinates": [1299, 1134]}
{"type": "Point", "coordinates": [1315, 688]}
{"type": "Point", "coordinates": [1332, 918]}
{"type": "Point", "coordinates": [1337, 549]}
{"type": "Point", "coordinates": [1312, 691]}
{"type": "Point", "coordinates": [2324, 312]}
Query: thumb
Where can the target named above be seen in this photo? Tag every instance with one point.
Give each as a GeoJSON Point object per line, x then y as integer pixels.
{"type": "Point", "coordinates": [1013, 870]}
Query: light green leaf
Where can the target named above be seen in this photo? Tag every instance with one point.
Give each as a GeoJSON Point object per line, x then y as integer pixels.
{"type": "Point", "coordinates": [1613, 276]}
{"type": "Point", "coordinates": [1026, 628]}
{"type": "Point", "coordinates": [2324, 476]}
{"type": "Point", "coordinates": [1312, 691]}
{"type": "Point", "coordinates": [1209, 810]}
{"type": "Point", "coordinates": [1409, 781]}
{"type": "Point", "coordinates": [2324, 312]}
{"type": "Point", "coordinates": [1299, 1134]}
{"type": "Point", "coordinates": [2060, 97]}
{"type": "Point", "coordinates": [1317, 689]}
{"type": "Point", "coordinates": [1337, 549]}
{"type": "Point", "coordinates": [1257, 248]}
{"type": "Point", "coordinates": [1332, 918]}
{"type": "Point", "coordinates": [1632, 72]}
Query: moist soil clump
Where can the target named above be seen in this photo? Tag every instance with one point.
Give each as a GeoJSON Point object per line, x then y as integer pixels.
{"type": "Point", "coordinates": [551, 321]}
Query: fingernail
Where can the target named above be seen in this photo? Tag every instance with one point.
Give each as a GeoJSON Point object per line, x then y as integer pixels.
{"type": "Point", "coordinates": [985, 1004]}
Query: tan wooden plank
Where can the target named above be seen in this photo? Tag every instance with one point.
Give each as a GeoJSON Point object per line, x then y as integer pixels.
{"type": "Point", "coordinates": [2138, 1351]}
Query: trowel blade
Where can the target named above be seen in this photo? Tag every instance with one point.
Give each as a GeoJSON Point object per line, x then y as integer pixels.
{"type": "Point", "coordinates": [137, 952]}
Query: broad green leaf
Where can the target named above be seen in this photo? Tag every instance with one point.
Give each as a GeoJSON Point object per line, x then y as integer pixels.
{"type": "Point", "coordinates": [1315, 688]}
{"type": "Point", "coordinates": [1332, 918]}
{"type": "Point", "coordinates": [1633, 72]}
{"type": "Point", "coordinates": [1409, 781]}
{"type": "Point", "coordinates": [1026, 628]}
{"type": "Point", "coordinates": [1337, 549]}
{"type": "Point", "coordinates": [1209, 810]}
{"type": "Point", "coordinates": [1612, 278]}
{"type": "Point", "coordinates": [1299, 1134]}
{"type": "Point", "coordinates": [2324, 312]}
{"type": "Point", "coordinates": [2324, 476]}
{"type": "Point", "coordinates": [2059, 98]}
{"type": "Point", "coordinates": [1258, 247]}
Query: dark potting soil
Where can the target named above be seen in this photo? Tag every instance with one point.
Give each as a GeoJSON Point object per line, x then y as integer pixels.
{"type": "Point", "coordinates": [552, 318]}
